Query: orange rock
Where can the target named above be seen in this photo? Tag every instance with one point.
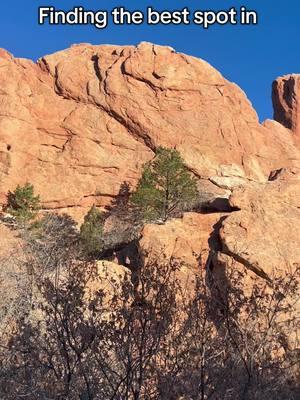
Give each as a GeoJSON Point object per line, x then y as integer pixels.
{"type": "Point", "coordinates": [187, 241]}
{"type": "Point", "coordinates": [82, 121]}
{"type": "Point", "coordinates": [265, 234]}
{"type": "Point", "coordinates": [286, 101]}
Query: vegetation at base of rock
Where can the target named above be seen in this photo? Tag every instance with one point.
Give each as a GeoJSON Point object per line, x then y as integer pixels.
{"type": "Point", "coordinates": [141, 334]}
{"type": "Point", "coordinates": [91, 231]}
{"type": "Point", "coordinates": [52, 241]}
{"type": "Point", "coordinates": [22, 203]}
{"type": "Point", "coordinates": [81, 332]}
{"type": "Point", "coordinates": [166, 187]}
{"type": "Point", "coordinates": [153, 338]}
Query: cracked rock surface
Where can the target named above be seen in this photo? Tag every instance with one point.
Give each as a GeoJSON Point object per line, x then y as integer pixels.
{"type": "Point", "coordinates": [80, 122]}
{"type": "Point", "coordinates": [264, 235]}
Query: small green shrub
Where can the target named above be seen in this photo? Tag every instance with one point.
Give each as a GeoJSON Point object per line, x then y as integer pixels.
{"type": "Point", "coordinates": [23, 204]}
{"type": "Point", "coordinates": [91, 231]}
{"type": "Point", "coordinates": [166, 187]}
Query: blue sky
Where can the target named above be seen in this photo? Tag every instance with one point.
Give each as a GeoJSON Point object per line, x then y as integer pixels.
{"type": "Point", "coordinates": [251, 56]}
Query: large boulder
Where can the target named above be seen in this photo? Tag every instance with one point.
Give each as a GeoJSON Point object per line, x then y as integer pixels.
{"type": "Point", "coordinates": [82, 121]}
{"type": "Point", "coordinates": [184, 243]}
{"type": "Point", "coordinates": [265, 234]}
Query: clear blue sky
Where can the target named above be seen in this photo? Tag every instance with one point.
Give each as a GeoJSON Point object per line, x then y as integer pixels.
{"type": "Point", "coordinates": [250, 56]}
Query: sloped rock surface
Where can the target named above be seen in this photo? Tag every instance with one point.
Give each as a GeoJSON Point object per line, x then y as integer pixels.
{"type": "Point", "coordinates": [82, 121]}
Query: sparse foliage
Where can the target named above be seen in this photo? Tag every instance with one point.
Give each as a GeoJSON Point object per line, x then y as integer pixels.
{"type": "Point", "coordinates": [23, 204]}
{"type": "Point", "coordinates": [85, 333]}
{"type": "Point", "coordinates": [51, 242]}
{"type": "Point", "coordinates": [166, 187]}
{"type": "Point", "coordinates": [120, 205]}
{"type": "Point", "coordinates": [155, 339]}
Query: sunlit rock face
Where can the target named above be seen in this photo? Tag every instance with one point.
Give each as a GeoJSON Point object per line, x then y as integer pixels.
{"type": "Point", "coordinates": [286, 102]}
{"type": "Point", "coordinates": [80, 122]}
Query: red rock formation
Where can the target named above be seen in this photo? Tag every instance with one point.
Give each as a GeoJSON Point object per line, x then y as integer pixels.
{"type": "Point", "coordinates": [286, 101]}
{"type": "Point", "coordinates": [262, 234]}
{"type": "Point", "coordinates": [188, 241]}
{"type": "Point", "coordinates": [265, 234]}
{"type": "Point", "coordinates": [82, 121]}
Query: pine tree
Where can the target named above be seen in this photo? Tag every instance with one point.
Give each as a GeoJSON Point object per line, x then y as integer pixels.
{"type": "Point", "coordinates": [166, 187]}
{"type": "Point", "coordinates": [23, 204]}
{"type": "Point", "coordinates": [91, 231]}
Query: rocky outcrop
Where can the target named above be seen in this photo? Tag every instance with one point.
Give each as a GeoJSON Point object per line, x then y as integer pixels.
{"type": "Point", "coordinates": [80, 124]}
{"type": "Point", "coordinates": [260, 238]}
{"type": "Point", "coordinates": [251, 248]}
{"type": "Point", "coordinates": [286, 102]}
{"type": "Point", "coordinates": [187, 241]}
{"type": "Point", "coordinates": [264, 234]}
{"type": "Point", "coordinates": [82, 121]}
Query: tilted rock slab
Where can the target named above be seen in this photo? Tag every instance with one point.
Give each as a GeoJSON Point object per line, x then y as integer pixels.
{"type": "Point", "coordinates": [80, 122]}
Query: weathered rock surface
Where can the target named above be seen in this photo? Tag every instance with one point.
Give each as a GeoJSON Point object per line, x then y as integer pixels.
{"type": "Point", "coordinates": [82, 121]}
{"type": "Point", "coordinates": [187, 241]}
{"type": "Point", "coordinates": [286, 101]}
{"type": "Point", "coordinates": [265, 234]}
{"type": "Point", "coordinates": [262, 234]}
{"type": "Point", "coordinates": [107, 279]}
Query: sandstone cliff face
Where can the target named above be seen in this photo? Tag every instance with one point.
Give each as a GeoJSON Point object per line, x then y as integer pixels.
{"type": "Point", "coordinates": [286, 102]}
{"type": "Point", "coordinates": [264, 234]}
{"type": "Point", "coordinates": [260, 240]}
{"type": "Point", "coordinates": [82, 121]}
